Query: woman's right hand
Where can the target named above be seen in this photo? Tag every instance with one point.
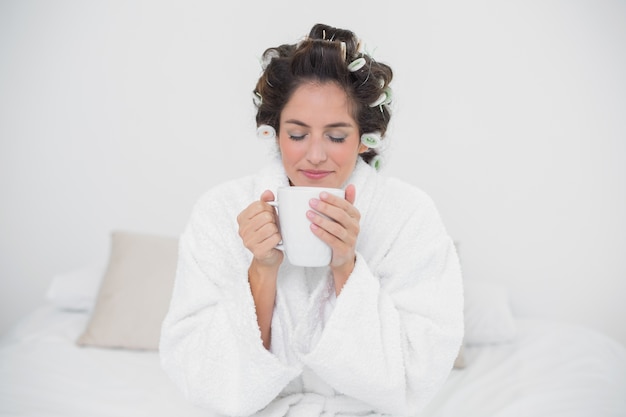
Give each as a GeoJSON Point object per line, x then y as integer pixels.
{"type": "Point", "coordinates": [258, 229]}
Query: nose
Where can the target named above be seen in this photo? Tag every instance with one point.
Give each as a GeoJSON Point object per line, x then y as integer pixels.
{"type": "Point", "coordinates": [316, 151]}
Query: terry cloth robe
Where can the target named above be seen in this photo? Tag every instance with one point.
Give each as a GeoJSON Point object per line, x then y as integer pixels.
{"type": "Point", "coordinates": [383, 346]}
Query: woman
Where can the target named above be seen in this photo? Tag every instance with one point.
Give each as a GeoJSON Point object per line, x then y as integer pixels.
{"type": "Point", "coordinates": [377, 330]}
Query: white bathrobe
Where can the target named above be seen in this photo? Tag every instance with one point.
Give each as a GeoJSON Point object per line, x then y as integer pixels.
{"type": "Point", "coordinates": [384, 346]}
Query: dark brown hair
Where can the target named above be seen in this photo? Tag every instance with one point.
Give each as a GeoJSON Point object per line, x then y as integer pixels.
{"type": "Point", "coordinates": [323, 57]}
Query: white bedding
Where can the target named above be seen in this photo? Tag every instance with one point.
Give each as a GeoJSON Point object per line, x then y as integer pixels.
{"type": "Point", "coordinates": [44, 373]}
{"type": "Point", "coordinates": [550, 369]}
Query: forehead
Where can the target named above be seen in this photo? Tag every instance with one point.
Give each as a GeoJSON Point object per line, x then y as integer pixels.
{"type": "Point", "coordinates": [321, 102]}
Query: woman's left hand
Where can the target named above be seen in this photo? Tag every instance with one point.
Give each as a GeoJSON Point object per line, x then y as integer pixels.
{"type": "Point", "coordinates": [340, 230]}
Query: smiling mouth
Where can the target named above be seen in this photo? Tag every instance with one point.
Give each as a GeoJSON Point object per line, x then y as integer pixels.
{"type": "Point", "coordinates": [315, 174]}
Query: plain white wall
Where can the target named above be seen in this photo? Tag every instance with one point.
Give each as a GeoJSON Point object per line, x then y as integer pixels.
{"type": "Point", "coordinates": [511, 115]}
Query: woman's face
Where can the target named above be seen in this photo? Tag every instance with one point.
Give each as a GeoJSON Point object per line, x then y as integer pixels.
{"type": "Point", "coordinates": [319, 139]}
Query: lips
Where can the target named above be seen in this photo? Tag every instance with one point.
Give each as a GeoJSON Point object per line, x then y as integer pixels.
{"type": "Point", "coordinates": [315, 174]}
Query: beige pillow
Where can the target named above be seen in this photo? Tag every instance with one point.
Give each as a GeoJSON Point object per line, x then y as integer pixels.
{"type": "Point", "coordinates": [459, 362]}
{"type": "Point", "coordinates": [135, 292]}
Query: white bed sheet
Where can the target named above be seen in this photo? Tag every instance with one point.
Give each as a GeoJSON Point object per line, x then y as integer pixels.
{"type": "Point", "coordinates": [552, 369]}
{"type": "Point", "coordinates": [44, 373]}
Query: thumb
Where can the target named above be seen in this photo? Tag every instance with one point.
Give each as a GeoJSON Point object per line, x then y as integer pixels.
{"type": "Point", "coordinates": [267, 196]}
{"type": "Point", "coordinates": [351, 193]}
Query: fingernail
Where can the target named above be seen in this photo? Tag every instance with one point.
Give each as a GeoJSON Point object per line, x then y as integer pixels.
{"type": "Point", "coordinates": [314, 202]}
{"type": "Point", "coordinates": [324, 195]}
{"type": "Point", "coordinates": [310, 214]}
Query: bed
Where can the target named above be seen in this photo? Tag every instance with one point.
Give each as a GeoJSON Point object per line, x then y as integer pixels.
{"type": "Point", "coordinates": [91, 350]}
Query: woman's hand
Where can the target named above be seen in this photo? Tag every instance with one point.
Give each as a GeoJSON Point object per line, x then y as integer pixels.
{"type": "Point", "coordinates": [258, 230]}
{"type": "Point", "coordinates": [340, 231]}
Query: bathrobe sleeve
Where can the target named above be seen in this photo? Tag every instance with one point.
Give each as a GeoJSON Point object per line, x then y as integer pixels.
{"type": "Point", "coordinates": [397, 324]}
{"type": "Point", "coordinates": [211, 344]}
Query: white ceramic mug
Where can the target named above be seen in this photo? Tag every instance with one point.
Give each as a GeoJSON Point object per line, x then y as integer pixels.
{"type": "Point", "coordinates": [299, 243]}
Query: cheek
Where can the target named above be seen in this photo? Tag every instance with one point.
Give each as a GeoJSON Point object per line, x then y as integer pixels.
{"type": "Point", "coordinates": [346, 155]}
{"type": "Point", "coordinates": [289, 150]}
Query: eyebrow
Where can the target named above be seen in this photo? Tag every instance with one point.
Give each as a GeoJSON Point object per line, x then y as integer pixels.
{"type": "Point", "coordinates": [331, 125]}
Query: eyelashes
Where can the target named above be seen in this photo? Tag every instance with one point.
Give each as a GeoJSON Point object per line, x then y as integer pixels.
{"type": "Point", "coordinates": [334, 139]}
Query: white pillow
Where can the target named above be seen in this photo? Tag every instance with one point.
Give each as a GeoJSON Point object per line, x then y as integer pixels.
{"type": "Point", "coordinates": [76, 290]}
{"type": "Point", "coordinates": [488, 314]}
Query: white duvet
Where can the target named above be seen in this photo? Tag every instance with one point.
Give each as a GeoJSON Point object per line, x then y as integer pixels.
{"type": "Point", "coordinates": [551, 369]}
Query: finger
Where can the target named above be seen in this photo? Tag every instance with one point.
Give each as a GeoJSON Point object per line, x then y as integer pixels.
{"type": "Point", "coordinates": [351, 193]}
{"type": "Point", "coordinates": [261, 237]}
{"type": "Point", "coordinates": [250, 212]}
{"type": "Point", "coordinates": [263, 214]}
{"type": "Point", "coordinates": [336, 208]}
{"type": "Point", "coordinates": [254, 218]}
{"type": "Point", "coordinates": [341, 250]}
{"type": "Point", "coordinates": [343, 232]}
{"type": "Point", "coordinates": [266, 237]}
{"type": "Point", "coordinates": [257, 207]}
{"type": "Point", "coordinates": [346, 203]}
